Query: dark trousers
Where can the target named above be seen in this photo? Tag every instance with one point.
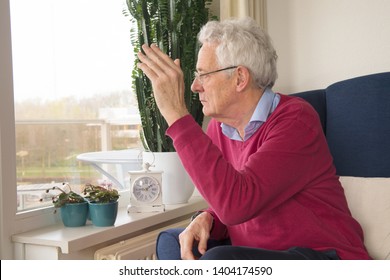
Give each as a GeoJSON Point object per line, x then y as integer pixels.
{"type": "Point", "coordinates": [168, 248]}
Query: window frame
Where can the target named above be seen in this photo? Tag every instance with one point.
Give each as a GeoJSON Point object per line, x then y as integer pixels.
{"type": "Point", "coordinates": [10, 221]}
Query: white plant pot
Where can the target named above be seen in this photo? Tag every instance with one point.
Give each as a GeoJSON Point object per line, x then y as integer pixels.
{"type": "Point", "coordinates": [177, 186]}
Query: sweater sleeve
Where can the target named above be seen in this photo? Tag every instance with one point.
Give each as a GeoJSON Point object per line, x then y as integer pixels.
{"type": "Point", "coordinates": [185, 131]}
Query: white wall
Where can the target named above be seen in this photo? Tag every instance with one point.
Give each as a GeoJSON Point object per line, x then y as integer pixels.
{"type": "Point", "coordinates": [324, 41]}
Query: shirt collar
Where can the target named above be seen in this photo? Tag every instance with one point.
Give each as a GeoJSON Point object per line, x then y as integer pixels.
{"type": "Point", "coordinates": [266, 105]}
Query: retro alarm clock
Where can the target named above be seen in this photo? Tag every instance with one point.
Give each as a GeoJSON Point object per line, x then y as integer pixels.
{"type": "Point", "coordinates": [145, 190]}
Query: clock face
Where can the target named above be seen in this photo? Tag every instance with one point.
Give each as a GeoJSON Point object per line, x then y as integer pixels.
{"type": "Point", "coordinates": [146, 189]}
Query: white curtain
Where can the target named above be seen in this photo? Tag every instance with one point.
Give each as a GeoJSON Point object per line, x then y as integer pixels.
{"type": "Point", "coordinates": [257, 9]}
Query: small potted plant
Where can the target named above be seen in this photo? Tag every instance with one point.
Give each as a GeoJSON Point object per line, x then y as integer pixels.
{"type": "Point", "coordinates": [73, 207]}
{"type": "Point", "coordinates": [103, 203]}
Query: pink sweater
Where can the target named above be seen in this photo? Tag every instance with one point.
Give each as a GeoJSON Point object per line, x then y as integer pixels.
{"type": "Point", "coordinates": [276, 190]}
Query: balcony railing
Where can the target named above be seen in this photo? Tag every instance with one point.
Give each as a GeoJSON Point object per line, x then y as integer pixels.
{"type": "Point", "coordinates": [47, 152]}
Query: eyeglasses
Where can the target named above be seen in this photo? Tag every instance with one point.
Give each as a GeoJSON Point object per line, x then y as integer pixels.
{"type": "Point", "coordinates": [200, 77]}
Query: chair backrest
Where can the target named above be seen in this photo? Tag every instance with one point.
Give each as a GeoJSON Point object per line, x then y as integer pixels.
{"type": "Point", "coordinates": [358, 125]}
{"type": "Point", "coordinates": [355, 115]}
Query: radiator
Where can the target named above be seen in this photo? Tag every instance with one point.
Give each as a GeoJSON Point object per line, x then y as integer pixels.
{"type": "Point", "coordinates": [141, 247]}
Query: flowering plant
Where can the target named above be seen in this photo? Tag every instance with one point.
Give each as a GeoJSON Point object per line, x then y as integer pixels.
{"type": "Point", "coordinates": [102, 193]}
{"type": "Point", "coordinates": [63, 196]}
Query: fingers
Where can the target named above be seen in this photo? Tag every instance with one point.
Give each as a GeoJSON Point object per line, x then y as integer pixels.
{"type": "Point", "coordinates": [155, 62]}
{"type": "Point", "coordinates": [146, 66]}
{"type": "Point", "coordinates": [186, 244]}
{"type": "Point", "coordinates": [167, 81]}
{"type": "Point", "coordinates": [158, 56]}
{"type": "Point", "coordinates": [177, 62]}
{"type": "Point", "coordinates": [157, 65]}
{"type": "Point", "coordinates": [197, 231]}
{"type": "Point", "coordinates": [202, 246]}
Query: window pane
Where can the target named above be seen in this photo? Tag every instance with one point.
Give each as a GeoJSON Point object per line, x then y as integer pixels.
{"type": "Point", "coordinates": [72, 64]}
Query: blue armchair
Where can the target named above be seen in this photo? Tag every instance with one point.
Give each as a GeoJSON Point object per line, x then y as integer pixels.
{"type": "Point", "coordinates": [355, 115]}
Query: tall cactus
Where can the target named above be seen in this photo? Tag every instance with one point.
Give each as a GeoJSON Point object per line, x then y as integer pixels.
{"type": "Point", "coordinates": [173, 26]}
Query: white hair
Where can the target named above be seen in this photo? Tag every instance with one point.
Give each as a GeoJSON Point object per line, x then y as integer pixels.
{"type": "Point", "coordinates": [243, 42]}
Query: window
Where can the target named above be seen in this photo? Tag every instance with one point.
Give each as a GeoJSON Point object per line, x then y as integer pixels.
{"type": "Point", "coordinates": [72, 63]}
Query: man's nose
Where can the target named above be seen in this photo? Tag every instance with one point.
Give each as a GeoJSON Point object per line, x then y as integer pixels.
{"type": "Point", "coordinates": [196, 86]}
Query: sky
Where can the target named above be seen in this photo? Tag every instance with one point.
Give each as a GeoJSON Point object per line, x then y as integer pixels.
{"type": "Point", "coordinates": [70, 48]}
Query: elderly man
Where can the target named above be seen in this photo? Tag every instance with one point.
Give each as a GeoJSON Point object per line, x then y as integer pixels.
{"type": "Point", "coordinates": [263, 166]}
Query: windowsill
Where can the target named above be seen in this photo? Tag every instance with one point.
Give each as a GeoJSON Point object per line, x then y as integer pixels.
{"type": "Point", "coordinates": [70, 239]}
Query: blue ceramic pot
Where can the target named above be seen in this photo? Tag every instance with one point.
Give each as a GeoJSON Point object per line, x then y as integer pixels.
{"type": "Point", "coordinates": [103, 214]}
{"type": "Point", "coordinates": [74, 214]}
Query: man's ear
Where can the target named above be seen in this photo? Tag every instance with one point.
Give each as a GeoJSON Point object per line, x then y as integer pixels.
{"type": "Point", "coordinates": [243, 78]}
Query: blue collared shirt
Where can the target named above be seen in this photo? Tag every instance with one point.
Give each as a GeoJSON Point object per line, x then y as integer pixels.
{"type": "Point", "coordinates": [267, 104]}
